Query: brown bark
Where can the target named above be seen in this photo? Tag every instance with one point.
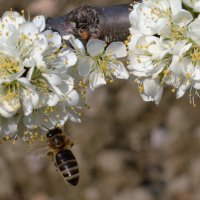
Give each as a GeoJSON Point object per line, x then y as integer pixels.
{"type": "Point", "coordinates": [106, 23]}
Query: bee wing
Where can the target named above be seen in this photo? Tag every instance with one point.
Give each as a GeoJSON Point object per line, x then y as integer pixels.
{"type": "Point", "coordinates": [38, 154]}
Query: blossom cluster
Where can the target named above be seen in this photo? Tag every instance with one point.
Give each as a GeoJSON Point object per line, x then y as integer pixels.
{"type": "Point", "coordinates": [44, 78]}
{"type": "Point", "coordinates": [164, 48]}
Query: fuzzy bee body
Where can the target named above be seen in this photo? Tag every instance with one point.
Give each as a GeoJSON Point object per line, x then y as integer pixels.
{"type": "Point", "coordinates": [63, 157]}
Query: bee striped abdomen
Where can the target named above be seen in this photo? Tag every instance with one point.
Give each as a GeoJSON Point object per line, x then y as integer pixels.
{"type": "Point", "coordinates": [68, 166]}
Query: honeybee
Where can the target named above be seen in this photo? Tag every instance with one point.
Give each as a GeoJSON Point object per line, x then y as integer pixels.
{"type": "Point", "coordinates": [64, 159]}
{"type": "Point", "coordinates": [59, 151]}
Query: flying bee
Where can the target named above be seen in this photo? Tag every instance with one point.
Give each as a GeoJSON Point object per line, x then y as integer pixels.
{"type": "Point", "coordinates": [62, 156]}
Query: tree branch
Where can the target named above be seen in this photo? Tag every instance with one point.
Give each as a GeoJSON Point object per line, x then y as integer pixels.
{"type": "Point", "coordinates": [106, 23]}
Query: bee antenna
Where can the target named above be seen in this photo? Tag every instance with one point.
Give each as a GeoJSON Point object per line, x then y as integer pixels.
{"type": "Point", "coordinates": [46, 127]}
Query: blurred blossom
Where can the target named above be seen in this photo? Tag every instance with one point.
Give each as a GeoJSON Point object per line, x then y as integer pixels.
{"type": "Point", "coordinates": [158, 137]}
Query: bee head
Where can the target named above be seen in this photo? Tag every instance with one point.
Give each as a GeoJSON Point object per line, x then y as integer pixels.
{"type": "Point", "coordinates": [54, 132]}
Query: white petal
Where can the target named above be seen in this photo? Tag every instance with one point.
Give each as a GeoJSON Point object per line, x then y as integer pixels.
{"type": "Point", "coordinates": [188, 3]}
{"type": "Point", "coordinates": [95, 47]}
{"type": "Point", "coordinates": [29, 62]}
{"type": "Point", "coordinates": [5, 113]}
{"type": "Point", "coordinates": [12, 17]}
{"type": "Point", "coordinates": [175, 65]}
{"type": "Point", "coordinates": [197, 6]}
{"type": "Point", "coordinates": [119, 70]}
{"type": "Point", "coordinates": [76, 43]}
{"type": "Point", "coordinates": [176, 6]}
{"type": "Point", "coordinates": [63, 89]}
{"type": "Point", "coordinates": [153, 90]}
{"type": "Point", "coordinates": [182, 18]}
{"type": "Point", "coordinates": [133, 15]}
{"type": "Point", "coordinates": [85, 65]}
{"type": "Point", "coordinates": [53, 79]}
{"type": "Point", "coordinates": [29, 101]}
{"type": "Point", "coordinates": [74, 118]}
{"type": "Point", "coordinates": [25, 83]}
{"type": "Point", "coordinates": [40, 44]}
{"type": "Point", "coordinates": [7, 110]}
{"type": "Point", "coordinates": [51, 99]}
{"type": "Point", "coordinates": [195, 36]}
{"type": "Point", "coordinates": [67, 37]}
{"type": "Point", "coordinates": [54, 38]}
{"type": "Point", "coordinates": [182, 89]}
{"type": "Point", "coordinates": [196, 85]}
{"type": "Point", "coordinates": [31, 121]}
{"type": "Point", "coordinates": [14, 76]}
{"type": "Point", "coordinates": [193, 30]}
{"type": "Point", "coordinates": [39, 22]}
{"type": "Point", "coordinates": [69, 57]}
{"type": "Point", "coordinates": [28, 29]}
{"type": "Point", "coordinates": [30, 73]}
{"type": "Point", "coordinates": [79, 45]}
{"type": "Point", "coordinates": [96, 80]}
{"type": "Point", "coordinates": [73, 98]}
{"type": "Point", "coordinates": [117, 49]}
{"type": "Point", "coordinates": [196, 75]}
{"type": "Point", "coordinates": [40, 63]}
{"type": "Point", "coordinates": [9, 126]}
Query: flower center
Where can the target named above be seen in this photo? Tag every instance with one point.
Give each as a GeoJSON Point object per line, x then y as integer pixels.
{"type": "Point", "coordinates": [39, 81]}
{"type": "Point", "coordinates": [8, 66]}
{"type": "Point", "coordinates": [178, 33]}
{"type": "Point", "coordinates": [159, 9]}
{"type": "Point", "coordinates": [195, 55]}
{"type": "Point", "coordinates": [10, 94]}
{"type": "Point", "coordinates": [104, 68]}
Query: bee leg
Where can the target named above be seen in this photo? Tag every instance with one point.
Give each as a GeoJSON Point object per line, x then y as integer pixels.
{"type": "Point", "coordinates": [71, 144]}
{"type": "Point", "coordinates": [56, 166]}
{"type": "Point", "coordinates": [50, 155]}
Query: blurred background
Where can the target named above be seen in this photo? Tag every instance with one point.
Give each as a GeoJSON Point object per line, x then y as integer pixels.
{"type": "Point", "coordinates": [126, 149]}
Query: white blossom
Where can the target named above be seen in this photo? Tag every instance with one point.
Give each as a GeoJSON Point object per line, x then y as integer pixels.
{"type": "Point", "coordinates": [99, 63]}
{"type": "Point", "coordinates": [150, 90]}
{"type": "Point", "coordinates": [147, 56]}
{"type": "Point", "coordinates": [163, 17]}
{"type": "Point", "coordinates": [36, 90]}
{"type": "Point", "coordinates": [164, 47]}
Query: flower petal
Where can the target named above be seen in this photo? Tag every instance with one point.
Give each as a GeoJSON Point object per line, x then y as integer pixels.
{"type": "Point", "coordinates": [95, 47]}
{"type": "Point", "coordinates": [152, 90]}
{"type": "Point", "coordinates": [182, 18]}
{"type": "Point", "coordinates": [69, 58]}
{"type": "Point", "coordinates": [119, 70]}
{"type": "Point", "coordinates": [76, 43]}
{"type": "Point", "coordinates": [39, 21]}
{"type": "Point", "coordinates": [9, 126]}
{"type": "Point", "coordinates": [53, 79]}
{"type": "Point", "coordinates": [51, 99]}
{"type": "Point", "coordinates": [7, 110]}
{"type": "Point", "coordinates": [182, 89]}
{"type": "Point", "coordinates": [73, 98]}
{"type": "Point", "coordinates": [29, 101]}
{"type": "Point", "coordinates": [54, 38]}
{"type": "Point", "coordinates": [176, 6]}
{"type": "Point", "coordinates": [117, 49]}
{"type": "Point", "coordinates": [96, 80]}
{"type": "Point", "coordinates": [85, 65]}
{"type": "Point", "coordinates": [28, 29]}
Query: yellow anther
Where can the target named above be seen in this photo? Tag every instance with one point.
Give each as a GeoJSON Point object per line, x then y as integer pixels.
{"type": "Point", "coordinates": [141, 89]}
{"type": "Point", "coordinates": [174, 90]}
